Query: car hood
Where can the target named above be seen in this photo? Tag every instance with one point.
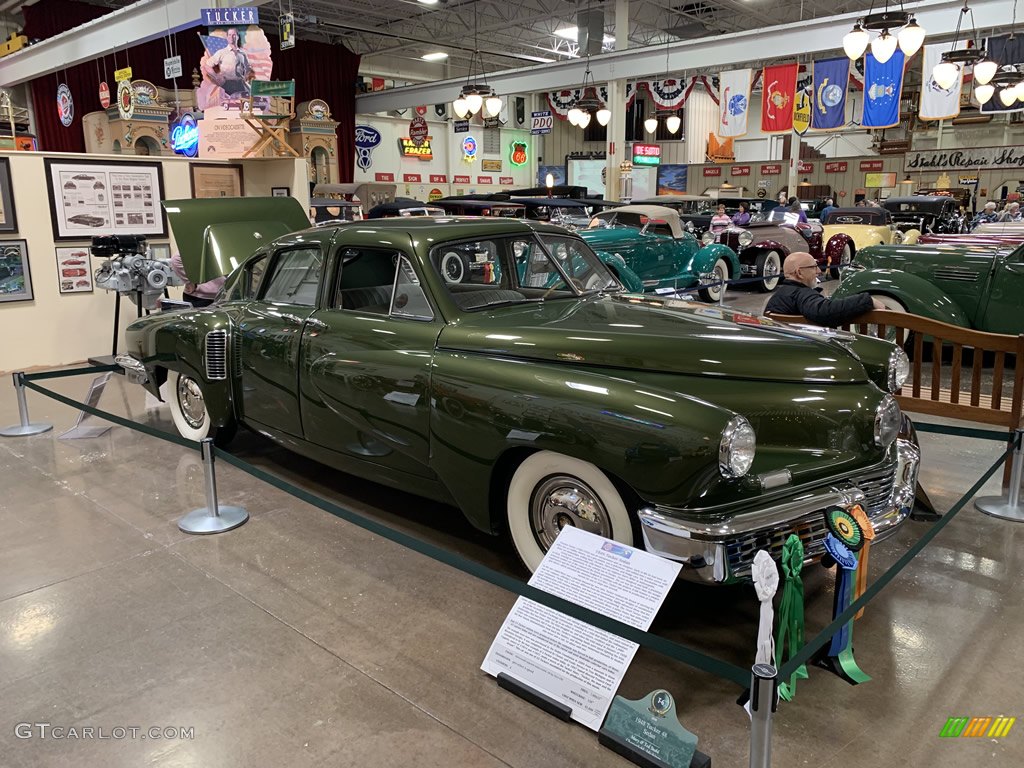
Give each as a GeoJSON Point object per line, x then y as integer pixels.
{"type": "Point", "coordinates": [633, 331]}
{"type": "Point", "coordinates": [915, 257]}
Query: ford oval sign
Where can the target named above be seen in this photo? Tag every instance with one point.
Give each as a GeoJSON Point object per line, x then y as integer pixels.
{"type": "Point", "coordinates": [185, 136]}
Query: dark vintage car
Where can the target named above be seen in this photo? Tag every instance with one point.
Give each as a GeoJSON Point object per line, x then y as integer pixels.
{"type": "Point", "coordinates": [974, 285]}
{"type": "Point", "coordinates": [404, 207]}
{"type": "Point", "coordinates": [927, 214]}
{"type": "Point", "coordinates": [466, 206]}
{"type": "Point", "coordinates": [564, 212]}
{"type": "Point", "coordinates": [695, 211]}
{"type": "Point", "coordinates": [536, 395]}
{"type": "Point", "coordinates": [327, 210]}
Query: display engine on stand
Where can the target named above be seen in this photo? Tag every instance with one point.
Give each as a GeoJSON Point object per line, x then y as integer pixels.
{"type": "Point", "coordinates": [129, 269]}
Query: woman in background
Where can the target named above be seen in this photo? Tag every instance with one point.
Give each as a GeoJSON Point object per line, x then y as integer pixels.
{"type": "Point", "coordinates": [742, 217]}
{"type": "Point", "coordinates": [720, 220]}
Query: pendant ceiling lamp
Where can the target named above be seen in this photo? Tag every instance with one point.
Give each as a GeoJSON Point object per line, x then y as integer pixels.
{"type": "Point", "coordinates": [588, 106]}
{"type": "Point", "coordinates": [476, 94]}
{"type": "Point", "coordinates": [671, 116]}
{"type": "Point", "coordinates": [908, 37]}
{"type": "Point", "coordinates": [948, 70]}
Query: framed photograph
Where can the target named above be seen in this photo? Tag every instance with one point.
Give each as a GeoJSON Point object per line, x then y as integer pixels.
{"type": "Point", "coordinates": [8, 219]}
{"type": "Point", "coordinates": [74, 269]}
{"type": "Point", "coordinates": [216, 180]}
{"type": "Point", "coordinates": [280, 192]}
{"type": "Point", "coordinates": [160, 250]}
{"type": "Point", "coordinates": [15, 278]}
{"type": "Point", "coordinates": [93, 197]}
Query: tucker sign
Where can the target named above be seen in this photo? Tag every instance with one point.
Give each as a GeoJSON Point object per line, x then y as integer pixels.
{"type": "Point", "coordinates": [965, 159]}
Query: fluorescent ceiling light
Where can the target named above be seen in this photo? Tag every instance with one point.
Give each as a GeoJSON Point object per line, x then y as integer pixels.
{"type": "Point", "coordinates": [572, 33]}
{"type": "Point", "coordinates": [435, 56]}
{"type": "Point", "coordinates": [428, 2]}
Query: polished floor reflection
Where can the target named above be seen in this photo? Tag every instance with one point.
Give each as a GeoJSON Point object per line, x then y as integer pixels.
{"type": "Point", "coordinates": [302, 640]}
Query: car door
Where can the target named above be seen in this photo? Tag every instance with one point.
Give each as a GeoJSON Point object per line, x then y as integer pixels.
{"type": "Point", "coordinates": [270, 334]}
{"type": "Point", "coordinates": [366, 361]}
{"type": "Point", "coordinates": [1002, 311]}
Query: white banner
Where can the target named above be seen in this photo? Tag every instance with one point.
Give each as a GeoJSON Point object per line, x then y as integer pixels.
{"type": "Point", "coordinates": [734, 102]}
{"type": "Point", "coordinates": [938, 103]}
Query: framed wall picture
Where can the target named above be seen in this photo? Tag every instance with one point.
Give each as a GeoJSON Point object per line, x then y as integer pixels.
{"type": "Point", "coordinates": [216, 180]}
{"type": "Point", "coordinates": [15, 277]}
{"type": "Point", "coordinates": [74, 270]}
{"type": "Point", "coordinates": [8, 219]}
{"type": "Point", "coordinates": [280, 192]}
{"type": "Point", "coordinates": [93, 197]}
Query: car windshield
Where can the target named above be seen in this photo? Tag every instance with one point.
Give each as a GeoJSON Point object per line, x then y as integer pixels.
{"type": "Point", "coordinates": [518, 269]}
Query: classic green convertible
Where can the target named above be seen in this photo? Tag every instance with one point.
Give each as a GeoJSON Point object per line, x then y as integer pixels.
{"type": "Point", "coordinates": [974, 286]}
{"type": "Point", "coordinates": [534, 393]}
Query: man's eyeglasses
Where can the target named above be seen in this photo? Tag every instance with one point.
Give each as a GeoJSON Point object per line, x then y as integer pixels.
{"type": "Point", "coordinates": [809, 266]}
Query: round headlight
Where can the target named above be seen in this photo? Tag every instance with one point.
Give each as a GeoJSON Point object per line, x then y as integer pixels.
{"type": "Point", "coordinates": [708, 237]}
{"type": "Point", "coordinates": [745, 238]}
{"type": "Point", "coordinates": [887, 421]}
{"type": "Point", "coordinates": [736, 451]}
{"type": "Point", "coordinates": [899, 369]}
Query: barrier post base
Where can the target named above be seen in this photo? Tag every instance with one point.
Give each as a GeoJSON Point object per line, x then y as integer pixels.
{"type": "Point", "coordinates": [1007, 507]}
{"type": "Point", "coordinates": [213, 518]}
{"type": "Point", "coordinates": [26, 427]}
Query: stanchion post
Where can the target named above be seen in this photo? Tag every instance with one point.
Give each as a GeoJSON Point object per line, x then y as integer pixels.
{"type": "Point", "coordinates": [26, 427]}
{"type": "Point", "coordinates": [1008, 507]}
{"type": "Point", "coordinates": [764, 700]}
{"type": "Point", "coordinates": [212, 518]}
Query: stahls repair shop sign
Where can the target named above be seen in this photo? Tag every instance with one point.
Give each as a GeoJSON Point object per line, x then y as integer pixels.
{"type": "Point", "coordinates": [976, 158]}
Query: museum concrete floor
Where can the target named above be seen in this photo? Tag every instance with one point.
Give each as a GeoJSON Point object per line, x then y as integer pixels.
{"type": "Point", "coordinates": [302, 640]}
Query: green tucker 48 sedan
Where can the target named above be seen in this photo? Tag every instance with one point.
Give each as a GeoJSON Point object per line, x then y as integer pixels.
{"type": "Point", "coordinates": [531, 391]}
{"type": "Point", "coordinates": [977, 286]}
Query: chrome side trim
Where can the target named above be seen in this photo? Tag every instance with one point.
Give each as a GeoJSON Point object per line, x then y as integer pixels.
{"type": "Point", "coordinates": [216, 354]}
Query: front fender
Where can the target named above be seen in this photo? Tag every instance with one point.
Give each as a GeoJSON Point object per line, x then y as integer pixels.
{"type": "Point", "coordinates": [919, 296]}
{"type": "Point", "coordinates": [703, 261]}
{"type": "Point", "coordinates": [755, 248]}
{"type": "Point", "coordinates": [911, 236]}
{"type": "Point", "coordinates": [630, 279]}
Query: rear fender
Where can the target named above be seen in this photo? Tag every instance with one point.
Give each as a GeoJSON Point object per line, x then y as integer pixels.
{"type": "Point", "coordinates": [919, 296]}
{"type": "Point", "coordinates": [703, 261]}
{"type": "Point", "coordinates": [835, 245]}
{"type": "Point", "coordinates": [751, 252]}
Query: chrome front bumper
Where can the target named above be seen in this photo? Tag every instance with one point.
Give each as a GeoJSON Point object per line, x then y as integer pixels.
{"type": "Point", "coordinates": [722, 552]}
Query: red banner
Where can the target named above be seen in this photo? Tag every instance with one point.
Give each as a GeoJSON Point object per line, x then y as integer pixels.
{"type": "Point", "coordinates": [779, 83]}
{"type": "Point", "coordinates": [772, 169]}
{"type": "Point", "coordinates": [714, 170]}
{"type": "Point", "coordinates": [412, 177]}
{"type": "Point", "coordinates": [484, 179]}
{"type": "Point", "coordinates": [438, 178]}
{"type": "Point", "coordinates": [384, 177]}
{"type": "Point", "coordinates": [839, 166]}
{"type": "Point", "coordinates": [506, 181]}
{"type": "Point", "coordinates": [871, 165]}
{"type": "Point", "coordinates": [460, 180]}
{"type": "Point", "coordinates": [741, 170]}
{"type": "Point", "coordinates": [803, 167]}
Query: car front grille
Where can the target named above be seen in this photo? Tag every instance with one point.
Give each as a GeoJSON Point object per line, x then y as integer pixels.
{"type": "Point", "coordinates": [955, 273]}
{"type": "Point", "coordinates": [217, 355]}
{"type": "Point", "coordinates": [877, 488]}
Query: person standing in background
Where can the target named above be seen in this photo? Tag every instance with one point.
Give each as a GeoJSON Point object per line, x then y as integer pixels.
{"type": "Point", "coordinates": [742, 217]}
{"type": "Point", "coordinates": [829, 207]}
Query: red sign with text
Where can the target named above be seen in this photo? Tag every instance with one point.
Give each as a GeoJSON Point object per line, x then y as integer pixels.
{"type": "Point", "coordinates": [412, 177]}
{"type": "Point", "coordinates": [741, 170]}
{"type": "Point", "coordinates": [871, 165]}
{"type": "Point", "coordinates": [506, 180]}
{"type": "Point", "coordinates": [839, 166]}
{"type": "Point", "coordinates": [438, 178]}
{"type": "Point", "coordinates": [647, 150]}
{"type": "Point", "coordinates": [460, 179]}
{"type": "Point", "coordinates": [712, 171]}
{"type": "Point", "coordinates": [773, 169]}
{"type": "Point", "coordinates": [803, 167]}
{"type": "Point", "coordinates": [484, 179]}
{"type": "Point", "coordinates": [384, 177]}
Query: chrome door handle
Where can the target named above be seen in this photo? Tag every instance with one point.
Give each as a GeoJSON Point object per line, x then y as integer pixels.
{"type": "Point", "coordinates": [295, 319]}
{"type": "Point", "coordinates": [320, 324]}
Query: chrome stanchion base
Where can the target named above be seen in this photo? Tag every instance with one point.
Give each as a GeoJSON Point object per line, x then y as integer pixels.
{"type": "Point", "coordinates": [1000, 506]}
{"type": "Point", "coordinates": [201, 521]}
{"type": "Point", "coordinates": [22, 430]}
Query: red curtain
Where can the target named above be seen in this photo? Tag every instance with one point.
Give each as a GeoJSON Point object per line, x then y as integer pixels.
{"type": "Point", "coordinates": [320, 70]}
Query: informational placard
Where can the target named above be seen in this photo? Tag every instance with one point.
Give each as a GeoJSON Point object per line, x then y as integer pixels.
{"type": "Point", "coordinates": [225, 138]}
{"type": "Point", "coordinates": [286, 31]}
{"type": "Point", "coordinates": [460, 126]}
{"type": "Point", "coordinates": [229, 17]}
{"type": "Point", "coordinates": [540, 123]}
{"type": "Point", "coordinates": [569, 660]}
{"type": "Point", "coordinates": [74, 272]}
{"type": "Point", "coordinates": [122, 74]}
{"type": "Point", "coordinates": [490, 165]}
{"type": "Point", "coordinates": [172, 67]}
{"type": "Point", "coordinates": [104, 198]}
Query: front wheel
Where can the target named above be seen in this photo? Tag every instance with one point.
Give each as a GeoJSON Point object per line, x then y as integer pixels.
{"type": "Point", "coordinates": [844, 261]}
{"type": "Point", "coordinates": [189, 412]}
{"type": "Point", "coordinates": [891, 305]}
{"type": "Point", "coordinates": [550, 491]}
{"type": "Point", "coordinates": [720, 275]}
{"type": "Point", "coordinates": [769, 267]}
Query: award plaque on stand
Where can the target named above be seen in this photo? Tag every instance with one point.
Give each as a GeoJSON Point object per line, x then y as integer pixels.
{"type": "Point", "coordinates": [648, 733]}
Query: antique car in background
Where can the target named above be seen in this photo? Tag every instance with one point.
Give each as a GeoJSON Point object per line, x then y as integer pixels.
{"type": "Point", "coordinates": [326, 210]}
{"type": "Point", "coordinates": [535, 394]}
{"type": "Point", "coordinates": [695, 211]}
{"type": "Point", "coordinates": [979, 285]}
{"type": "Point", "coordinates": [565, 212]}
{"type": "Point", "coordinates": [472, 206]}
{"type": "Point", "coordinates": [995, 233]}
{"type": "Point", "coordinates": [866, 226]}
{"type": "Point", "coordinates": [648, 249]}
{"type": "Point", "coordinates": [403, 206]}
{"type": "Point", "coordinates": [937, 214]}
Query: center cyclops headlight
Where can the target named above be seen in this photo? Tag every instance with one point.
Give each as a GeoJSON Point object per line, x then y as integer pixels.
{"type": "Point", "coordinates": [745, 238]}
{"type": "Point", "coordinates": [899, 369]}
{"type": "Point", "coordinates": [736, 451]}
{"type": "Point", "coordinates": [887, 421]}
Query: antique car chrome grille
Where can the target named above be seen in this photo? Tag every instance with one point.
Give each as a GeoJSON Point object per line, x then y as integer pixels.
{"type": "Point", "coordinates": [959, 274]}
{"type": "Point", "coordinates": [217, 355]}
{"type": "Point", "coordinates": [877, 488]}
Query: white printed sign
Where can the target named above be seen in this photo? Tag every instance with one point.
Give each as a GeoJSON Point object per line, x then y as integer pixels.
{"type": "Point", "coordinates": [540, 123]}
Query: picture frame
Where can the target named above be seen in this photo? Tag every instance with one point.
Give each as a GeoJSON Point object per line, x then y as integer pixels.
{"type": "Point", "coordinates": [105, 197]}
{"type": "Point", "coordinates": [280, 192]}
{"type": "Point", "coordinates": [74, 269]}
{"type": "Point", "coordinates": [8, 216]}
{"type": "Point", "coordinates": [16, 279]}
{"type": "Point", "coordinates": [160, 251]}
{"type": "Point", "coordinates": [216, 180]}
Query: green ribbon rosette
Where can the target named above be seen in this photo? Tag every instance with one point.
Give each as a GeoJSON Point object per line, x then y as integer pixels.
{"type": "Point", "coordinates": [791, 614]}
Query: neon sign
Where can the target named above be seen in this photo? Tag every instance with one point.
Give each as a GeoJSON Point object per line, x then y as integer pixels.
{"type": "Point", "coordinates": [408, 148]}
{"type": "Point", "coordinates": [185, 136]}
{"type": "Point", "coordinates": [518, 155]}
{"type": "Point", "coordinates": [469, 149]}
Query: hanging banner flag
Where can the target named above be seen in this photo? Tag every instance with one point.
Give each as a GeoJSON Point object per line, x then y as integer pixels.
{"type": "Point", "coordinates": [778, 96]}
{"type": "Point", "coordinates": [734, 102]}
{"type": "Point", "coordinates": [831, 78]}
{"type": "Point", "coordinates": [938, 103]}
{"type": "Point", "coordinates": [669, 93]}
{"type": "Point", "coordinates": [1005, 49]}
{"type": "Point", "coordinates": [883, 88]}
{"type": "Point", "coordinates": [802, 112]}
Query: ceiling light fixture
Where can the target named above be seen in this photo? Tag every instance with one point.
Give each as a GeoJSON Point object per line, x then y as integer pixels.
{"type": "Point", "coordinates": [476, 93]}
{"type": "Point", "coordinates": [588, 105]}
{"type": "Point", "coordinates": [950, 68]}
{"type": "Point", "coordinates": [909, 35]}
{"type": "Point", "coordinates": [434, 56]}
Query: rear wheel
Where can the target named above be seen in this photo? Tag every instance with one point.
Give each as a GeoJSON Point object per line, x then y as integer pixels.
{"type": "Point", "coordinates": [189, 412]}
{"type": "Point", "coordinates": [844, 261]}
{"type": "Point", "coordinates": [769, 267]}
{"type": "Point", "coordinates": [720, 274]}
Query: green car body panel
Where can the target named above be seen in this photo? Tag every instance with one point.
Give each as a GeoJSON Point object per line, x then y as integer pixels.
{"type": "Point", "coordinates": [973, 286]}
{"type": "Point", "coordinates": [640, 386]}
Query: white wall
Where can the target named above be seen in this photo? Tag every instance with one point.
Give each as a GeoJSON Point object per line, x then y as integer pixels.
{"type": "Point", "coordinates": [56, 328]}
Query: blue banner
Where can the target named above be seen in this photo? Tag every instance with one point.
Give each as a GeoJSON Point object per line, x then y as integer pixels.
{"type": "Point", "coordinates": [831, 79]}
{"type": "Point", "coordinates": [883, 87]}
{"type": "Point", "coordinates": [230, 17]}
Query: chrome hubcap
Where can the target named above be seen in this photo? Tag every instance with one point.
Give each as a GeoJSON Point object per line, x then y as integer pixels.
{"type": "Point", "coordinates": [190, 400]}
{"type": "Point", "coordinates": [771, 269]}
{"type": "Point", "coordinates": [561, 501]}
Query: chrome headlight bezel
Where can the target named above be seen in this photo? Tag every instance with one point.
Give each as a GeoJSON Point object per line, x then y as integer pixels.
{"type": "Point", "coordinates": [745, 238]}
{"type": "Point", "coordinates": [737, 448]}
{"type": "Point", "coordinates": [708, 237]}
{"type": "Point", "coordinates": [888, 419]}
{"type": "Point", "coordinates": [899, 369]}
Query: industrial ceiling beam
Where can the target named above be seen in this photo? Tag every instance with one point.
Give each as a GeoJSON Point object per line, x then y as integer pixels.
{"type": "Point", "coordinates": [708, 55]}
{"type": "Point", "coordinates": [137, 23]}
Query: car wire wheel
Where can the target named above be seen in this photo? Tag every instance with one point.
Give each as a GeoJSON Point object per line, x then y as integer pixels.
{"type": "Point", "coordinates": [769, 269]}
{"type": "Point", "coordinates": [715, 293]}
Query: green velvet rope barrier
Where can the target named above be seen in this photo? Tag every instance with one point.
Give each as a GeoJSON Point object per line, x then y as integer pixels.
{"type": "Point", "coordinates": [791, 613]}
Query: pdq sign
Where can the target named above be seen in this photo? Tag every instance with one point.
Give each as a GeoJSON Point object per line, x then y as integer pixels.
{"type": "Point", "coordinates": [185, 136]}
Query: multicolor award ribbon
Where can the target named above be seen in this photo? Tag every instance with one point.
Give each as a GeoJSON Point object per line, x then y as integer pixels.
{"type": "Point", "coordinates": [791, 613]}
{"type": "Point", "coordinates": [845, 536]}
{"type": "Point", "coordinates": [862, 561]}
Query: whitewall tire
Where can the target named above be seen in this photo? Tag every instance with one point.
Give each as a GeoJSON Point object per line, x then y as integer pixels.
{"type": "Point", "coordinates": [550, 491]}
{"type": "Point", "coordinates": [188, 406]}
{"type": "Point", "coordinates": [721, 274]}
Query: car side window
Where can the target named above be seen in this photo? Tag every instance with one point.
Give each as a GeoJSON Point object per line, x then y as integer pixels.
{"type": "Point", "coordinates": [294, 276]}
{"type": "Point", "coordinates": [409, 299]}
{"type": "Point", "coordinates": [254, 277]}
{"type": "Point", "coordinates": [534, 266]}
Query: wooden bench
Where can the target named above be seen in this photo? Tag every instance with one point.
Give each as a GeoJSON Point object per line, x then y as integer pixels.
{"type": "Point", "coordinates": [966, 395]}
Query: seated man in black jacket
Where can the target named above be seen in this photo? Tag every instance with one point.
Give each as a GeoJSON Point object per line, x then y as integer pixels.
{"type": "Point", "coordinates": [799, 295]}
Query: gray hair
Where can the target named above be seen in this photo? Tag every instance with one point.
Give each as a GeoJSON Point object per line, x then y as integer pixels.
{"type": "Point", "coordinates": [990, 205]}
